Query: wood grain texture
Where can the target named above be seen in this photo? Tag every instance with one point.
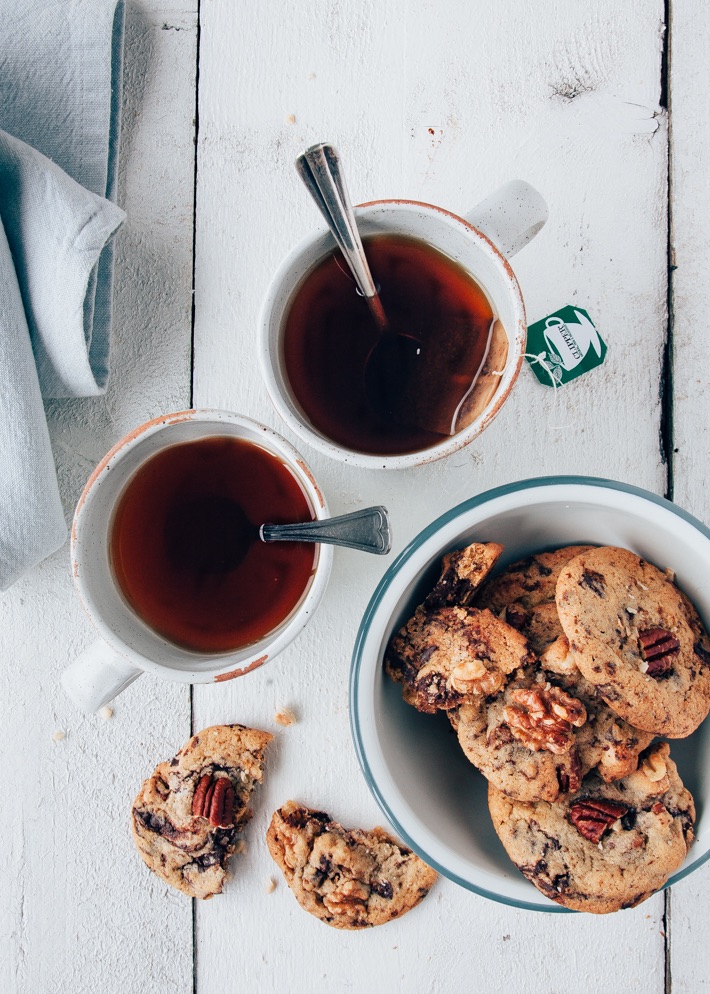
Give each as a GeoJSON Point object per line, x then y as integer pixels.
{"type": "Point", "coordinates": [80, 913]}
{"type": "Point", "coordinates": [565, 95]}
{"type": "Point", "coordinates": [689, 86]}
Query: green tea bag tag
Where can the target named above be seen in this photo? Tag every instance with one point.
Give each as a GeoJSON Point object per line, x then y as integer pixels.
{"type": "Point", "coordinates": [564, 345]}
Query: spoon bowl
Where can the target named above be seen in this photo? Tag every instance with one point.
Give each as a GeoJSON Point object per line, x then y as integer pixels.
{"type": "Point", "coordinates": [394, 358]}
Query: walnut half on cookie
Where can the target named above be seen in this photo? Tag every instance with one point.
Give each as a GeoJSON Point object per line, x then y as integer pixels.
{"type": "Point", "coordinates": [347, 879]}
{"type": "Point", "coordinates": [188, 814]}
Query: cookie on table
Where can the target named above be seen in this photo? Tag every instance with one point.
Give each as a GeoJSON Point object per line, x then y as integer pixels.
{"type": "Point", "coordinates": [347, 879]}
{"type": "Point", "coordinates": [607, 847]}
{"type": "Point", "coordinates": [462, 573]}
{"type": "Point", "coordinates": [637, 639]}
{"type": "Point", "coordinates": [187, 816]}
{"type": "Point", "coordinates": [452, 655]}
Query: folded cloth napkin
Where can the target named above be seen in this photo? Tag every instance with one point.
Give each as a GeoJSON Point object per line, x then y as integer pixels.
{"type": "Point", "coordinates": [60, 83]}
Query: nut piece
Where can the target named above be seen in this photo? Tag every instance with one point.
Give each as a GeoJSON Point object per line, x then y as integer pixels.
{"type": "Point", "coordinates": [285, 717]}
{"type": "Point", "coordinates": [658, 647]}
{"type": "Point", "coordinates": [592, 818]}
{"type": "Point", "coordinates": [348, 900]}
{"type": "Point", "coordinates": [558, 658]}
{"type": "Point", "coordinates": [472, 677]}
{"type": "Point", "coordinates": [654, 767]}
{"type": "Point", "coordinates": [542, 718]}
{"type": "Point", "coordinates": [214, 799]}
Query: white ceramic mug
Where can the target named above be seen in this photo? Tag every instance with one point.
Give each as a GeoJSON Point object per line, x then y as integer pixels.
{"type": "Point", "coordinates": [481, 242]}
{"type": "Point", "coordinates": [127, 647]}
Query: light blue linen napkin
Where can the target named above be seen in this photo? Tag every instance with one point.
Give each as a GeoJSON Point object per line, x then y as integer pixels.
{"type": "Point", "coordinates": [60, 89]}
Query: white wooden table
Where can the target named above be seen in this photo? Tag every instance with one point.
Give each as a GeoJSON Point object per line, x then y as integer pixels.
{"type": "Point", "coordinates": [606, 114]}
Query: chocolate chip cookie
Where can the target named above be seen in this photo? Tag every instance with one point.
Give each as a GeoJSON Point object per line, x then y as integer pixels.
{"type": "Point", "coordinates": [452, 655]}
{"type": "Point", "coordinates": [523, 739]}
{"type": "Point", "coordinates": [637, 638]}
{"type": "Point", "coordinates": [347, 879]}
{"type": "Point", "coordinates": [607, 847]}
{"type": "Point", "coordinates": [543, 732]}
{"type": "Point", "coordinates": [187, 816]}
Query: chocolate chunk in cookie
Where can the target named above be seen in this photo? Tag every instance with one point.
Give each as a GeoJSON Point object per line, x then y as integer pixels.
{"type": "Point", "coordinates": [462, 573]}
{"type": "Point", "coordinates": [187, 816]}
{"type": "Point", "coordinates": [637, 638]}
{"type": "Point", "coordinates": [452, 655]}
{"type": "Point", "coordinates": [347, 879]}
{"type": "Point", "coordinates": [606, 847]}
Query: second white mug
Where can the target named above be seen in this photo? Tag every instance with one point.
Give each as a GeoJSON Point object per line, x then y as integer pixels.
{"type": "Point", "coordinates": [481, 243]}
{"type": "Point", "coordinates": [127, 646]}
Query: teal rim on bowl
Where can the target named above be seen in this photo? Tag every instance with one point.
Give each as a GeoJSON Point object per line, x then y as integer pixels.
{"type": "Point", "coordinates": [413, 766]}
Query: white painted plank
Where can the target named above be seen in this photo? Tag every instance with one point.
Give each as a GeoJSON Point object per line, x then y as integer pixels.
{"type": "Point", "coordinates": [689, 88]}
{"type": "Point", "coordinates": [546, 92]}
{"type": "Point", "coordinates": [80, 913]}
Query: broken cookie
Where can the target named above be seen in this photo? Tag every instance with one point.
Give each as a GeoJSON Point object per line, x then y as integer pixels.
{"type": "Point", "coordinates": [188, 814]}
{"type": "Point", "coordinates": [347, 879]}
{"type": "Point", "coordinates": [453, 655]}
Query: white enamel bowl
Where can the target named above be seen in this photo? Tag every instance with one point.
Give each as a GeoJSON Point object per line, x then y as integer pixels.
{"type": "Point", "coordinates": [413, 765]}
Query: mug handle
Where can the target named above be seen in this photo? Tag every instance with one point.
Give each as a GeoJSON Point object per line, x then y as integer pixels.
{"type": "Point", "coordinates": [510, 216]}
{"type": "Point", "coordinates": [97, 676]}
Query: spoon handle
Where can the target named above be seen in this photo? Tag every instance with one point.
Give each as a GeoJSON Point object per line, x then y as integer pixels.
{"type": "Point", "coordinates": [367, 530]}
{"type": "Point", "coordinates": [320, 169]}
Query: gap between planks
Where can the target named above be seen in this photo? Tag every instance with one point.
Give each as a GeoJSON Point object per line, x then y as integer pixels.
{"type": "Point", "coordinates": [192, 389]}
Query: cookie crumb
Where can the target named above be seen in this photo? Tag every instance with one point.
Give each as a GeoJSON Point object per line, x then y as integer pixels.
{"type": "Point", "coordinates": [291, 119]}
{"type": "Point", "coordinates": [285, 717]}
{"type": "Point", "coordinates": [311, 76]}
{"type": "Point", "coordinates": [106, 713]}
{"type": "Point", "coordinates": [59, 735]}
{"type": "Point", "coordinates": [270, 885]}
{"type": "Point", "coordinates": [241, 847]}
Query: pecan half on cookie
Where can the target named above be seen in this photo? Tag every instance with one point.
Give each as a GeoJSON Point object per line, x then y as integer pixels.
{"type": "Point", "coordinates": [522, 739]}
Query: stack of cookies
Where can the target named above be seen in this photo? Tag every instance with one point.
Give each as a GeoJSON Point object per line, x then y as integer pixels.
{"type": "Point", "coordinates": [557, 674]}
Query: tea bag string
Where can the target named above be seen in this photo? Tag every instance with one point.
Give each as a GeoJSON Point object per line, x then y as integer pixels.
{"type": "Point", "coordinates": [541, 361]}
